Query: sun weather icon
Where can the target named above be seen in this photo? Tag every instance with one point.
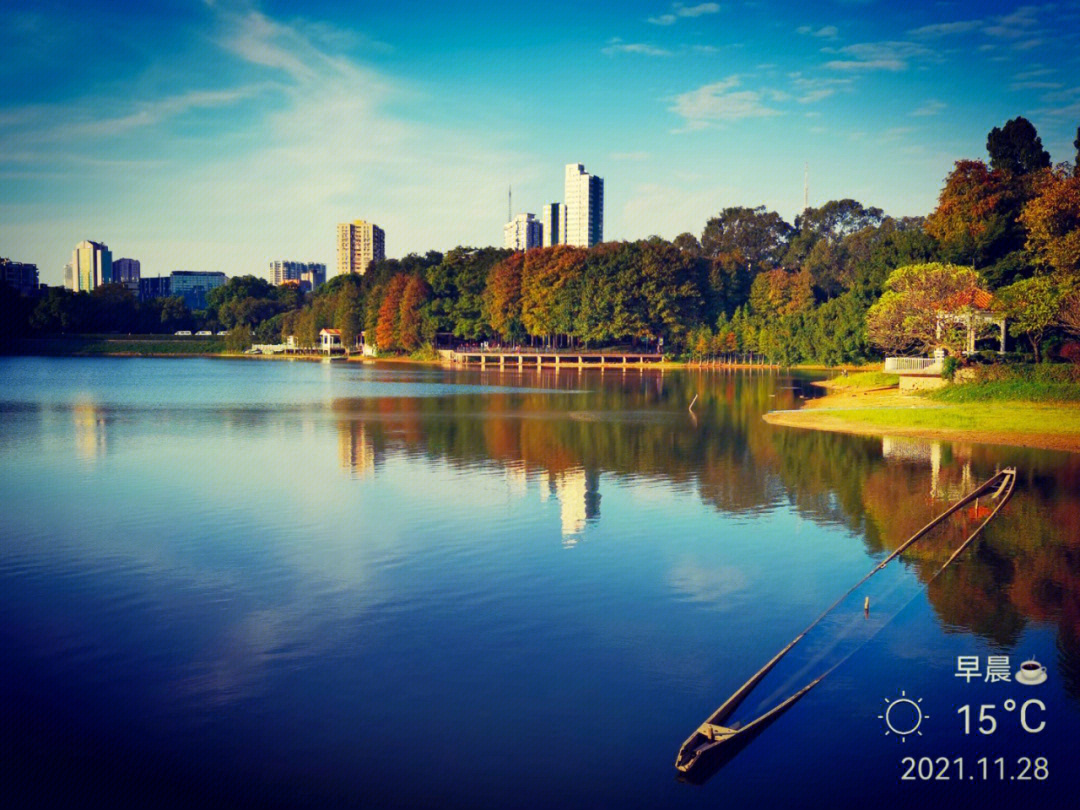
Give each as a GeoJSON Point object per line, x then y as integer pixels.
{"type": "Point", "coordinates": [903, 716]}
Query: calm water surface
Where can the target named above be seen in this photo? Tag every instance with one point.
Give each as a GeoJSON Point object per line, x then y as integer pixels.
{"type": "Point", "coordinates": [232, 583]}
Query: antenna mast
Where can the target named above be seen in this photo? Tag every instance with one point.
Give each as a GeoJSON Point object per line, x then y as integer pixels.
{"type": "Point", "coordinates": [806, 186]}
{"type": "Point", "coordinates": [509, 203]}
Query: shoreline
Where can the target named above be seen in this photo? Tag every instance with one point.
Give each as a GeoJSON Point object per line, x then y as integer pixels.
{"type": "Point", "coordinates": [887, 412]}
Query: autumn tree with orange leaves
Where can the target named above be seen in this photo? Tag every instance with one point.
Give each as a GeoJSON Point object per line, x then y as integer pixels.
{"type": "Point", "coordinates": [502, 297]}
{"type": "Point", "coordinates": [387, 331]}
{"type": "Point", "coordinates": [410, 316]}
{"type": "Point", "coordinates": [1052, 219]}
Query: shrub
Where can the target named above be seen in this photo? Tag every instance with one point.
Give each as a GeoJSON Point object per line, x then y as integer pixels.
{"type": "Point", "coordinates": [948, 368]}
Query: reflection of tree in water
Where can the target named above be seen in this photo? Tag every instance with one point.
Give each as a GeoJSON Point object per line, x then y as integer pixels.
{"type": "Point", "coordinates": [1026, 566]}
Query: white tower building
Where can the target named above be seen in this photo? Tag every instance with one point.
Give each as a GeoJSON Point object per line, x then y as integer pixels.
{"type": "Point", "coordinates": [584, 207]}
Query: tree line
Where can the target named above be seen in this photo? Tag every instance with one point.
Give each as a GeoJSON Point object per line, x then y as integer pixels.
{"type": "Point", "coordinates": [840, 284]}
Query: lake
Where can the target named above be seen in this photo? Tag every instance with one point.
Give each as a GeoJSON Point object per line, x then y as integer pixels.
{"type": "Point", "coordinates": [274, 584]}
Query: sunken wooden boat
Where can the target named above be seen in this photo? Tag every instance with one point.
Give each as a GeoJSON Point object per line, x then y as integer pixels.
{"type": "Point", "coordinates": [713, 743]}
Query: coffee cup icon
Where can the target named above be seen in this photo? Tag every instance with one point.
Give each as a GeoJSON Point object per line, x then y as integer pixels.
{"type": "Point", "coordinates": [1031, 673]}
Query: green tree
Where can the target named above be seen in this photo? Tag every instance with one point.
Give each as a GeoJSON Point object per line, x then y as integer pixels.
{"type": "Point", "coordinates": [238, 339]}
{"type": "Point", "coordinates": [751, 236]}
{"type": "Point", "coordinates": [1016, 148]}
{"type": "Point", "coordinates": [348, 314]}
{"type": "Point", "coordinates": [688, 243]}
{"type": "Point", "coordinates": [1032, 306]}
{"type": "Point", "coordinates": [175, 314]}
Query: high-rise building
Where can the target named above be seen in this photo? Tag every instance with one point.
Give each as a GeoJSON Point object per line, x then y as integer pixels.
{"type": "Point", "coordinates": [308, 275]}
{"type": "Point", "coordinates": [19, 276]}
{"type": "Point", "coordinates": [359, 244]}
{"type": "Point", "coordinates": [69, 276]}
{"type": "Point", "coordinates": [553, 224]}
{"type": "Point", "coordinates": [193, 285]}
{"type": "Point", "coordinates": [523, 232]}
{"type": "Point", "coordinates": [125, 270]}
{"type": "Point", "coordinates": [584, 207]}
{"type": "Point", "coordinates": [91, 266]}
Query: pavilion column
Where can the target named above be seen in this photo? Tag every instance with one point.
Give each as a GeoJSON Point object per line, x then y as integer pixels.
{"type": "Point", "coordinates": [1001, 324]}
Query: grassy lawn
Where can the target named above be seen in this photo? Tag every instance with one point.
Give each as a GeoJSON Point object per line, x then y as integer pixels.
{"type": "Point", "coordinates": [981, 417]}
{"type": "Point", "coordinates": [1009, 391]}
{"type": "Point", "coordinates": [865, 379]}
{"type": "Point", "coordinates": [92, 345]}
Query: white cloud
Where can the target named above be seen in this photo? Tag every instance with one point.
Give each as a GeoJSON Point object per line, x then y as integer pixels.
{"type": "Point", "coordinates": [1035, 85]}
{"type": "Point", "coordinates": [945, 29]}
{"type": "Point", "coordinates": [616, 45]}
{"type": "Point", "coordinates": [102, 118]}
{"type": "Point", "coordinates": [893, 56]}
{"type": "Point", "coordinates": [931, 107]}
{"type": "Point", "coordinates": [825, 32]}
{"type": "Point", "coordinates": [1015, 25]}
{"type": "Point", "coordinates": [678, 10]}
{"type": "Point", "coordinates": [718, 102]}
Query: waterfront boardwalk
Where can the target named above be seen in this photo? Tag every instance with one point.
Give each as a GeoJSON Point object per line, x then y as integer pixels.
{"type": "Point", "coordinates": [528, 358]}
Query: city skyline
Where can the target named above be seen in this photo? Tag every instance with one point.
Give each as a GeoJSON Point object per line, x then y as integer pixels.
{"type": "Point", "coordinates": [224, 133]}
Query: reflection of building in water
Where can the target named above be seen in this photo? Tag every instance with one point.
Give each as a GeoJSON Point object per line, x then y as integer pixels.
{"type": "Point", "coordinates": [355, 449]}
{"type": "Point", "coordinates": [89, 431]}
{"type": "Point", "coordinates": [902, 449]}
{"type": "Point", "coordinates": [578, 492]}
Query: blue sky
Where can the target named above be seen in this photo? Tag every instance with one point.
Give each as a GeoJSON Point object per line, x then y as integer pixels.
{"type": "Point", "coordinates": [223, 135]}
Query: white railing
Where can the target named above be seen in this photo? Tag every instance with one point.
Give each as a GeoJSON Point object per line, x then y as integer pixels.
{"type": "Point", "coordinates": [901, 364]}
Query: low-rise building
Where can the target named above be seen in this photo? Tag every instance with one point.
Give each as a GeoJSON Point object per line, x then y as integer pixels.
{"type": "Point", "coordinates": [193, 285]}
{"type": "Point", "coordinates": [330, 340]}
{"type": "Point", "coordinates": [154, 287]}
{"type": "Point", "coordinates": [307, 275]}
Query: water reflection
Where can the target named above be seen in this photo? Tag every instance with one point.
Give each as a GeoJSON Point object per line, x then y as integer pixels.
{"type": "Point", "coordinates": [309, 563]}
{"type": "Point", "coordinates": [637, 427]}
{"type": "Point", "coordinates": [578, 493]}
{"type": "Point", "coordinates": [356, 450]}
{"type": "Point", "coordinates": [88, 423]}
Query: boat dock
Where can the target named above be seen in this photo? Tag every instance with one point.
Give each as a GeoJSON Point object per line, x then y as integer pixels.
{"type": "Point", "coordinates": [524, 358]}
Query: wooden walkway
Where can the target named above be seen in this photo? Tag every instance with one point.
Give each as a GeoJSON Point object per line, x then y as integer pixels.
{"type": "Point", "coordinates": [541, 359]}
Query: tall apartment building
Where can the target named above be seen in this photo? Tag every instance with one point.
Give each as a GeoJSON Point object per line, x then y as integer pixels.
{"type": "Point", "coordinates": [19, 276]}
{"type": "Point", "coordinates": [91, 266]}
{"type": "Point", "coordinates": [359, 244]}
{"type": "Point", "coordinates": [584, 207]}
{"type": "Point", "coordinates": [308, 275]}
{"type": "Point", "coordinates": [126, 270]}
{"type": "Point", "coordinates": [523, 232]}
{"type": "Point", "coordinates": [553, 224]}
